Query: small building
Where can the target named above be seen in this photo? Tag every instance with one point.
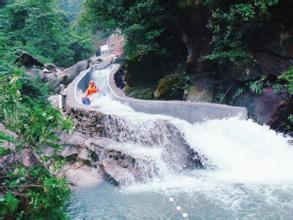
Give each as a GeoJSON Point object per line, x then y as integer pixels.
{"type": "Point", "coordinates": [105, 51]}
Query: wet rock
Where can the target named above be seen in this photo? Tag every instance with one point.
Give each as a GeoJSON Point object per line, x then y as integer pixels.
{"type": "Point", "coordinates": [57, 77]}
{"type": "Point", "coordinates": [54, 100]}
{"type": "Point", "coordinates": [279, 119]}
{"type": "Point", "coordinates": [73, 139]}
{"type": "Point", "coordinates": [29, 158]}
{"type": "Point", "coordinates": [49, 151]}
{"type": "Point", "coordinates": [84, 155]}
{"type": "Point", "coordinates": [83, 176]}
{"type": "Point", "coordinates": [103, 153]}
{"type": "Point", "coordinates": [69, 151]}
{"type": "Point", "coordinates": [94, 144]}
{"type": "Point", "coordinates": [266, 105]}
{"type": "Point", "coordinates": [178, 154]}
{"type": "Point", "coordinates": [28, 60]}
{"type": "Point", "coordinates": [116, 174]}
{"type": "Point", "coordinates": [261, 107]}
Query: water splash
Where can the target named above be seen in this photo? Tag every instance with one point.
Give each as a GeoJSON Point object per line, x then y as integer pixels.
{"type": "Point", "coordinates": [252, 175]}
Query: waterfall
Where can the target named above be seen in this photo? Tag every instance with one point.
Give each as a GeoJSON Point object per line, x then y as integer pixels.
{"type": "Point", "coordinates": [232, 149]}
{"type": "Point", "coordinates": [216, 169]}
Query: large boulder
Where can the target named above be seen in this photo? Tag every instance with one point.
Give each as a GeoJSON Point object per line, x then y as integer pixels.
{"type": "Point", "coordinates": [99, 153]}
{"type": "Point", "coordinates": [279, 119]}
{"type": "Point", "coordinates": [70, 73]}
{"type": "Point", "coordinates": [27, 60]}
{"type": "Point", "coordinates": [178, 154]}
{"type": "Point", "coordinates": [116, 174]}
{"type": "Point", "coordinates": [121, 168]}
{"type": "Point", "coordinates": [58, 78]}
{"type": "Point", "coordinates": [83, 176]}
{"type": "Point", "coordinates": [201, 89]}
{"type": "Point", "coordinates": [261, 107]}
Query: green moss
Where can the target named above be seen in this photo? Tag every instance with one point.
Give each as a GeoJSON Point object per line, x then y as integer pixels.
{"type": "Point", "coordinates": [140, 92]}
{"type": "Point", "coordinates": [172, 86]}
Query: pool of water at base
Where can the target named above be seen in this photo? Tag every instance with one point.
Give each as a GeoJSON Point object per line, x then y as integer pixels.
{"type": "Point", "coordinates": [106, 202]}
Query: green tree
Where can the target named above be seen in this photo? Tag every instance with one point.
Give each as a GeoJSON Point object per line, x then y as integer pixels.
{"type": "Point", "coordinates": [43, 30]}
{"type": "Point", "coordinates": [149, 26]}
{"type": "Point", "coordinates": [29, 192]}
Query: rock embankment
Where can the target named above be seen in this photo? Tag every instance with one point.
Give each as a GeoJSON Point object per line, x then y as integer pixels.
{"type": "Point", "coordinates": [91, 160]}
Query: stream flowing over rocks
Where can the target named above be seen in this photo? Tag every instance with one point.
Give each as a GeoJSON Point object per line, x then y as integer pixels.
{"type": "Point", "coordinates": [224, 168]}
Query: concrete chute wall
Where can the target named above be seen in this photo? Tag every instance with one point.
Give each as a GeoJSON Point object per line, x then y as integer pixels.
{"type": "Point", "coordinates": [189, 111]}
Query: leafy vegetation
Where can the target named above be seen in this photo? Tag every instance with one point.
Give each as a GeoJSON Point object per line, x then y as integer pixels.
{"type": "Point", "coordinates": [44, 31]}
{"type": "Point", "coordinates": [257, 87]}
{"type": "Point", "coordinates": [148, 26]}
{"type": "Point", "coordinates": [227, 22]}
{"type": "Point", "coordinates": [32, 193]}
{"type": "Point", "coordinates": [29, 192]}
{"type": "Point", "coordinates": [141, 92]}
{"type": "Point", "coordinates": [72, 8]}
{"type": "Point", "coordinates": [287, 78]}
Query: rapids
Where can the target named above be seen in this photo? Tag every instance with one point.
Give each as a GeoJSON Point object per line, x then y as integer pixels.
{"type": "Point", "coordinates": [248, 173]}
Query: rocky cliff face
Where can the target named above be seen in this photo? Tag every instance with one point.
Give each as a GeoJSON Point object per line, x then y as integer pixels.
{"type": "Point", "coordinates": [269, 42]}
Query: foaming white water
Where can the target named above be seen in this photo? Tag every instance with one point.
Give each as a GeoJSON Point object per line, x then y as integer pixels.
{"type": "Point", "coordinates": [243, 152]}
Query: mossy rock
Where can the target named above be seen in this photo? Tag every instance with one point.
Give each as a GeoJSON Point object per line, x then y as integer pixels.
{"type": "Point", "coordinates": [140, 92]}
{"type": "Point", "coordinates": [168, 88]}
{"type": "Point", "coordinates": [196, 94]}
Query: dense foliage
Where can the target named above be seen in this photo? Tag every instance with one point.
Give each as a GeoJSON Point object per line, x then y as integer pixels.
{"type": "Point", "coordinates": [31, 192]}
{"type": "Point", "coordinates": [72, 8]}
{"type": "Point", "coordinates": [149, 26]}
{"type": "Point", "coordinates": [227, 22]}
{"type": "Point", "coordinates": [45, 32]}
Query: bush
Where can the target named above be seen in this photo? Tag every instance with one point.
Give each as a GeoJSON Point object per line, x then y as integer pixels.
{"type": "Point", "coordinates": [32, 193]}
{"type": "Point", "coordinates": [29, 192]}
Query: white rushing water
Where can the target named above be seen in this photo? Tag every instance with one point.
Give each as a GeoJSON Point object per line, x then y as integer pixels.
{"type": "Point", "coordinates": [242, 151]}
{"type": "Point", "coordinates": [253, 164]}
